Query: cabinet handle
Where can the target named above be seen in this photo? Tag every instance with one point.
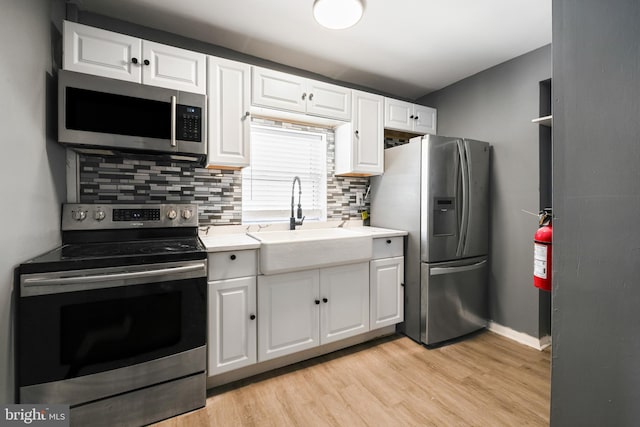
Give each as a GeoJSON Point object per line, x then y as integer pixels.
{"type": "Point", "coordinates": [310, 97]}
{"type": "Point", "coordinates": [304, 95]}
{"type": "Point", "coordinates": [146, 62]}
{"type": "Point", "coordinates": [388, 241]}
{"type": "Point", "coordinates": [325, 300]}
{"type": "Point", "coordinates": [252, 317]}
{"type": "Point", "coordinates": [134, 60]}
{"type": "Point", "coordinates": [233, 257]}
{"type": "Point", "coordinates": [317, 301]}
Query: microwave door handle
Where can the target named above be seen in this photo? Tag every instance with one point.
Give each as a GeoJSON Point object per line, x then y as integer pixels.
{"type": "Point", "coordinates": [173, 120]}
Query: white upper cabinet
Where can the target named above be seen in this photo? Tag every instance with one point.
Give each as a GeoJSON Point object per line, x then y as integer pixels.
{"type": "Point", "coordinates": [405, 116]}
{"type": "Point", "coordinates": [173, 68]}
{"type": "Point", "coordinates": [275, 89]}
{"type": "Point", "coordinates": [360, 143]}
{"type": "Point", "coordinates": [229, 98]}
{"type": "Point", "coordinates": [105, 53]}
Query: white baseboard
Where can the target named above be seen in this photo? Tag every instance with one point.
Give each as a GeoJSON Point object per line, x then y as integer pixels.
{"type": "Point", "coordinates": [521, 337]}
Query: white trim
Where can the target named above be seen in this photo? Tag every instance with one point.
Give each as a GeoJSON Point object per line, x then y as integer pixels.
{"type": "Point", "coordinates": [521, 337]}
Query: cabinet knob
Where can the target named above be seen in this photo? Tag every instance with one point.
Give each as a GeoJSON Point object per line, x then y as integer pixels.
{"type": "Point", "coordinates": [233, 257]}
{"type": "Point", "coordinates": [304, 96]}
{"type": "Point", "coordinates": [246, 115]}
{"type": "Point", "coordinates": [325, 300]}
{"type": "Point", "coordinates": [134, 60]}
{"type": "Point", "coordinates": [252, 317]}
{"type": "Point", "coordinates": [402, 284]}
{"type": "Point", "coordinates": [411, 117]}
{"type": "Point", "coordinates": [146, 62]}
{"type": "Point", "coordinates": [388, 241]}
{"type": "Point", "coordinates": [317, 301]}
{"type": "Point", "coordinates": [416, 118]}
{"type": "Point", "coordinates": [310, 97]}
{"type": "Point", "coordinates": [357, 133]}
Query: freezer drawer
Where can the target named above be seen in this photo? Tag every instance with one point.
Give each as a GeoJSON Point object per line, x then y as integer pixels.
{"type": "Point", "coordinates": [453, 299]}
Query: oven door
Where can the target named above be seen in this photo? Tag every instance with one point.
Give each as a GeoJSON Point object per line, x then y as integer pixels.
{"type": "Point", "coordinates": [146, 323]}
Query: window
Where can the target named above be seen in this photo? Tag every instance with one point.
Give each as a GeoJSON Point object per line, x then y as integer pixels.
{"type": "Point", "coordinates": [277, 156]}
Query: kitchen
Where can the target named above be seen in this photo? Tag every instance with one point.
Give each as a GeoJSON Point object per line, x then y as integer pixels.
{"type": "Point", "coordinates": [38, 186]}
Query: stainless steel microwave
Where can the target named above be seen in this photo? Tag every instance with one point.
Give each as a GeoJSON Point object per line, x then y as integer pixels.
{"type": "Point", "coordinates": [118, 116]}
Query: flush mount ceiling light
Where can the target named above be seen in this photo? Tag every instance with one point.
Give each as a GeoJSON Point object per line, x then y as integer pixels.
{"type": "Point", "coordinates": [337, 14]}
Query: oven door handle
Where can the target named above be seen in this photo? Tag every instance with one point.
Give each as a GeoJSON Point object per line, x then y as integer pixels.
{"type": "Point", "coordinates": [89, 281]}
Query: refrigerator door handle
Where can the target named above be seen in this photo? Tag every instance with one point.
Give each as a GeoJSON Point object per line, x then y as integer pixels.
{"type": "Point", "coordinates": [436, 271]}
{"type": "Point", "coordinates": [465, 199]}
{"type": "Point", "coordinates": [467, 180]}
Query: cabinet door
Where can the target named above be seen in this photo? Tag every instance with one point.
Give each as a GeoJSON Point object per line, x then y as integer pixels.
{"type": "Point", "coordinates": [278, 90]}
{"type": "Point", "coordinates": [100, 52]}
{"type": "Point", "coordinates": [229, 97]}
{"type": "Point", "coordinates": [173, 68]}
{"type": "Point", "coordinates": [344, 295]}
{"type": "Point", "coordinates": [232, 330]}
{"type": "Point", "coordinates": [398, 115]}
{"type": "Point", "coordinates": [387, 292]}
{"type": "Point", "coordinates": [425, 119]}
{"type": "Point", "coordinates": [328, 100]}
{"type": "Point", "coordinates": [368, 133]}
{"type": "Point", "coordinates": [289, 315]}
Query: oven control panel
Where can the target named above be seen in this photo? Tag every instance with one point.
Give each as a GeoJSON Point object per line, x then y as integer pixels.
{"type": "Point", "coordinates": [77, 216]}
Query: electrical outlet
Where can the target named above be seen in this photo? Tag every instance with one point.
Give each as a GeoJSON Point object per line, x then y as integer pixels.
{"type": "Point", "coordinates": [359, 196]}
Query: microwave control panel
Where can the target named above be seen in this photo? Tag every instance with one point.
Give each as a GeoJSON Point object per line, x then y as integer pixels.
{"type": "Point", "coordinates": [189, 123]}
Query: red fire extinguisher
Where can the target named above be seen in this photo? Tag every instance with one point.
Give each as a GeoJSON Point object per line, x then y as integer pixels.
{"type": "Point", "coordinates": [542, 252]}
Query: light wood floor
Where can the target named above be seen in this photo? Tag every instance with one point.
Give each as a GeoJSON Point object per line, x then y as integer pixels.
{"type": "Point", "coordinates": [485, 380]}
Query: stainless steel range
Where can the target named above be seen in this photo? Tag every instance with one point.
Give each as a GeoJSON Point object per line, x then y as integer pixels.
{"type": "Point", "coordinates": [113, 322]}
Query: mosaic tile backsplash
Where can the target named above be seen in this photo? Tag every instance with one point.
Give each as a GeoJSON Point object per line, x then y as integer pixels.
{"type": "Point", "coordinates": [218, 193]}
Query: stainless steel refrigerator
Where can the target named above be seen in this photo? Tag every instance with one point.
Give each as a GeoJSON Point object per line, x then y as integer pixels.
{"type": "Point", "coordinates": [437, 189]}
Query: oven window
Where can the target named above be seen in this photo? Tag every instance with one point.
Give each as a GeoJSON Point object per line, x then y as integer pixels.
{"type": "Point", "coordinates": [116, 329]}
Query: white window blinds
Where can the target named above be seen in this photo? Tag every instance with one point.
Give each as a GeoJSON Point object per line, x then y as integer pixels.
{"type": "Point", "coordinates": [277, 156]}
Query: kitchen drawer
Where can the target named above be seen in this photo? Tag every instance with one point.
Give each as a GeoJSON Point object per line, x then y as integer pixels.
{"type": "Point", "coordinates": [230, 264]}
{"type": "Point", "coordinates": [388, 247]}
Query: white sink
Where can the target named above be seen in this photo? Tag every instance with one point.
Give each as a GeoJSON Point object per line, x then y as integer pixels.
{"type": "Point", "coordinates": [284, 251]}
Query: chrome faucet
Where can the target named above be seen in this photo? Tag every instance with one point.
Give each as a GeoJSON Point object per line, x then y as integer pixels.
{"type": "Point", "coordinates": [292, 221]}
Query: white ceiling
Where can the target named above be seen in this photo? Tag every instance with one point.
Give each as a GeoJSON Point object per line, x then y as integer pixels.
{"type": "Point", "coordinates": [407, 48]}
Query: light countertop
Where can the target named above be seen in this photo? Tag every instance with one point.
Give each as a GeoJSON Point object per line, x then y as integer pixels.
{"type": "Point", "coordinates": [220, 242]}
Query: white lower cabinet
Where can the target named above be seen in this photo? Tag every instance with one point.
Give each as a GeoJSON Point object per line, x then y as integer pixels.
{"type": "Point", "coordinates": [387, 292]}
{"type": "Point", "coordinates": [344, 293]}
{"type": "Point", "coordinates": [288, 306]}
{"type": "Point", "coordinates": [304, 309]}
{"type": "Point", "coordinates": [232, 324]}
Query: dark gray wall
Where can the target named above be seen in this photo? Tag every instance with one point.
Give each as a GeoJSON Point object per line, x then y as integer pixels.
{"type": "Point", "coordinates": [497, 106]}
{"type": "Point", "coordinates": [596, 318]}
{"type": "Point", "coordinates": [32, 164]}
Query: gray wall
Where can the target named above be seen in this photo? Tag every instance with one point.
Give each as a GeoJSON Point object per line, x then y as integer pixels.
{"type": "Point", "coordinates": [596, 318]}
{"type": "Point", "coordinates": [497, 106]}
{"type": "Point", "coordinates": [32, 165]}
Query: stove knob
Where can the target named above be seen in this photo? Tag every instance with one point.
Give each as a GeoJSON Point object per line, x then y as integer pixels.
{"type": "Point", "coordinates": [79, 215]}
{"type": "Point", "coordinates": [186, 214]}
{"type": "Point", "coordinates": [172, 214]}
{"type": "Point", "coordinates": [99, 215]}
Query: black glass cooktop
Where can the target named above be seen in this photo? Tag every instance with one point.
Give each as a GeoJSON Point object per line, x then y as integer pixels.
{"type": "Point", "coordinates": [73, 256]}
{"type": "Point", "coordinates": [145, 247]}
